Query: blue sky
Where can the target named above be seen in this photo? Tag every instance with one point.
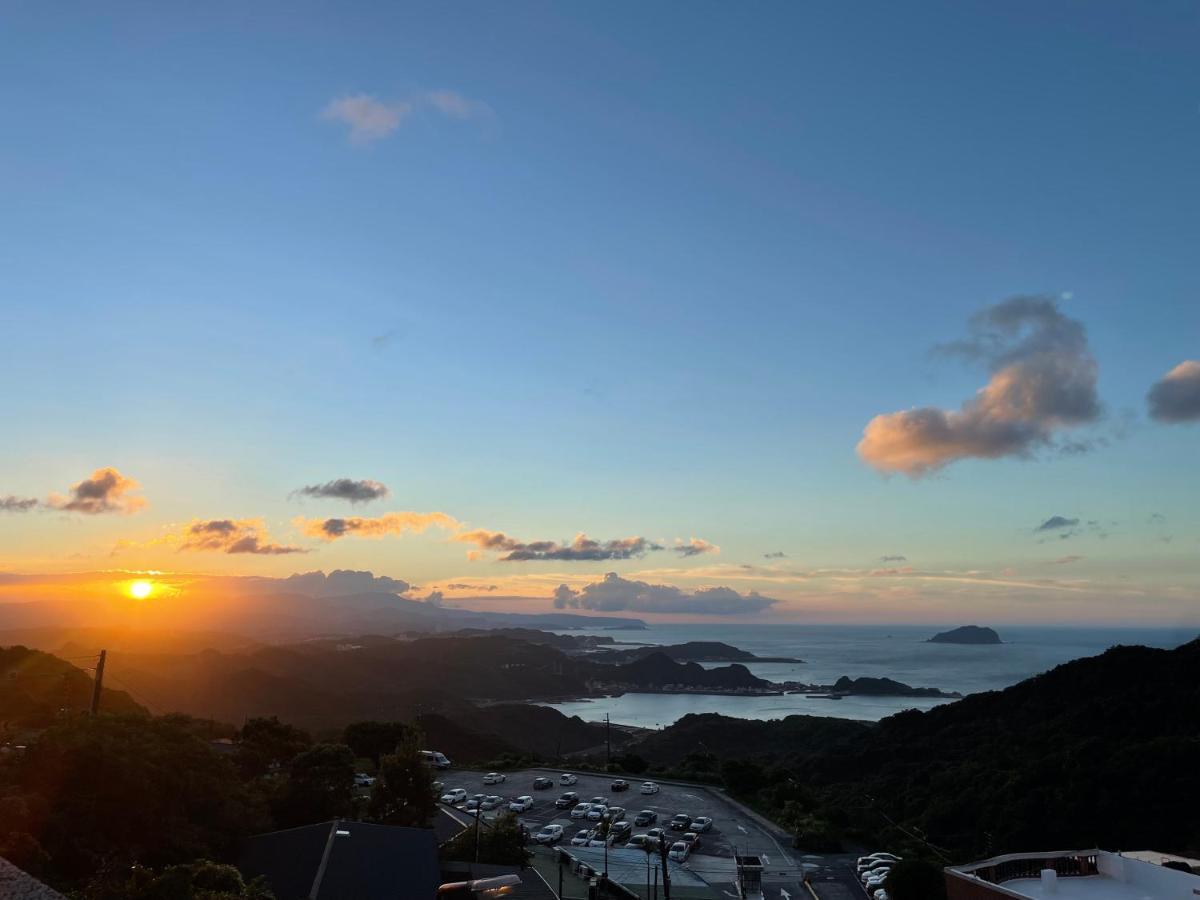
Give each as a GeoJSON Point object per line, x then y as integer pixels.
{"type": "Point", "coordinates": [617, 269]}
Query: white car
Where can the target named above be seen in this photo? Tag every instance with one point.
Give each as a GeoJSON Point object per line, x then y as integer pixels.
{"type": "Point", "coordinates": [649, 787]}
{"type": "Point", "coordinates": [880, 894]}
{"type": "Point", "coordinates": [362, 779]}
{"type": "Point", "coordinates": [875, 883]}
{"type": "Point", "coordinates": [566, 778]}
{"type": "Point", "coordinates": [581, 839]}
{"type": "Point", "coordinates": [551, 834]}
{"type": "Point", "coordinates": [679, 851]}
{"type": "Point", "coordinates": [456, 795]}
{"type": "Point", "coordinates": [879, 873]}
{"type": "Point", "coordinates": [491, 801]}
{"type": "Point", "coordinates": [597, 812]}
{"type": "Point", "coordinates": [581, 810]}
{"type": "Point", "coordinates": [520, 804]}
{"type": "Point", "coordinates": [885, 857]}
{"type": "Point", "coordinates": [493, 778]}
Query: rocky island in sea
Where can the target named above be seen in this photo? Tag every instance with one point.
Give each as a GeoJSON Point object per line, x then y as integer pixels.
{"type": "Point", "coordinates": [966, 634]}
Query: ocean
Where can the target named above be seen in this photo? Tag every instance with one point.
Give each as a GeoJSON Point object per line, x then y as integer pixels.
{"type": "Point", "coordinates": [830, 651]}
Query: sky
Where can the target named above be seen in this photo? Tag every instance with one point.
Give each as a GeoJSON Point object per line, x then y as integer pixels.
{"type": "Point", "coordinates": [798, 312]}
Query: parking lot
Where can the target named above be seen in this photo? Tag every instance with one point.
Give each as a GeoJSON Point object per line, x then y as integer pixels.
{"type": "Point", "coordinates": [734, 829]}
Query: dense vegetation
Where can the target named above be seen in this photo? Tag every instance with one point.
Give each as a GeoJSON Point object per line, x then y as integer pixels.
{"type": "Point", "coordinates": [1097, 752]}
{"type": "Point", "coordinates": [38, 688]}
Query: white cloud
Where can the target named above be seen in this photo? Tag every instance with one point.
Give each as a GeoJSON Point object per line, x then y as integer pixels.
{"type": "Point", "coordinates": [371, 119]}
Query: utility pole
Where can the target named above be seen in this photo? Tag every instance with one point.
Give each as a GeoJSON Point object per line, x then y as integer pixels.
{"type": "Point", "coordinates": [478, 816]}
{"type": "Point", "coordinates": [98, 682]}
{"type": "Point", "coordinates": [662, 852]}
{"type": "Point", "coordinates": [607, 744]}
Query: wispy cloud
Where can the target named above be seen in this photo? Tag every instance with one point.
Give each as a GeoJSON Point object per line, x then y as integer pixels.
{"type": "Point", "coordinates": [1056, 523]}
{"type": "Point", "coordinates": [775, 554]}
{"type": "Point", "coordinates": [1175, 398]}
{"type": "Point", "coordinates": [1043, 381]}
{"type": "Point", "coordinates": [370, 119]}
{"type": "Point", "coordinates": [105, 491]}
{"type": "Point", "coordinates": [895, 558]}
{"type": "Point", "coordinates": [694, 547]}
{"type": "Point", "coordinates": [351, 489]}
{"type": "Point", "coordinates": [582, 548]}
{"type": "Point", "coordinates": [13, 504]}
{"type": "Point", "coordinates": [233, 536]}
{"type": "Point", "coordinates": [393, 523]}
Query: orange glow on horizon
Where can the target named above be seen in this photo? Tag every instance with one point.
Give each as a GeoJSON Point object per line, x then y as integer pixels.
{"type": "Point", "coordinates": [140, 590]}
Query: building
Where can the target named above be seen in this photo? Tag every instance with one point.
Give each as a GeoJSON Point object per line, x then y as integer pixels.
{"type": "Point", "coordinates": [17, 884]}
{"type": "Point", "coordinates": [636, 873]}
{"type": "Point", "coordinates": [531, 885]}
{"type": "Point", "coordinates": [342, 860]}
{"type": "Point", "coordinates": [1070, 875]}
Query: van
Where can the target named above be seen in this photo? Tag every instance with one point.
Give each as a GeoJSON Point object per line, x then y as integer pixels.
{"type": "Point", "coordinates": [435, 759]}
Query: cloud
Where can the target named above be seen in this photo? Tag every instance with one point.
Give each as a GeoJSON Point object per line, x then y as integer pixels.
{"type": "Point", "coordinates": [472, 587]}
{"type": "Point", "coordinates": [1066, 560]}
{"type": "Point", "coordinates": [106, 491]}
{"type": "Point", "coordinates": [378, 527]}
{"type": "Point", "coordinates": [1043, 380]}
{"type": "Point", "coordinates": [435, 598]}
{"type": "Point", "coordinates": [694, 547]}
{"type": "Point", "coordinates": [1056, 523]}
{"type": "Point", "coordinates": [1176, 396]}
{"type": "Point", "coordinates": [777, 554]}
{"type": "Point", "coordinates": [371, 119]}
{"type": "Point", "coordinates": [582, 548]}
{"type": "Point", "coordinates": [615, 594]}
{"type": "Point", "coordinates": [354, 490]}
{"type": "Point", "coordinates": [17, 504]}
{"type": "Point", "coordinates": [232, 536]}
{"type": "Point", "coordinates": [894, 558]}
{"type": "Point", "coordinates": [341, 582]}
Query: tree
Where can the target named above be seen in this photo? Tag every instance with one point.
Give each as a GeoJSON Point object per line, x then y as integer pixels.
{"type": "Point", "coordinates": [632, 763]}
{"type": "Point", "coordinates": [320, 786]}
{"type": "Point", "coordinates": [267, 742]}
{"type": "Point", "coordinates": [403, 792]}
{"type": "Point", "coordinates": [915, 879]}
{"type": "Point", "coordinates": [122, 790]}
{"type": "Point", "coordinates": [199, 880]}
{"type": "Point", "coordinates": [743, 776]}
{"type": "Point", "coordinates": [501, 843]}
{"type": "Point", "coordinates": [373, 740]}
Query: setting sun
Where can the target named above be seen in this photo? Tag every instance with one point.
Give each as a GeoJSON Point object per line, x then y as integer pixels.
{"type": "Point", "coordinates": [140, 590]}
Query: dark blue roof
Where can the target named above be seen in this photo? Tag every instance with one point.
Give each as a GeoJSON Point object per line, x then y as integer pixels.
{"type": "Point", "coordinates": [345, 861]}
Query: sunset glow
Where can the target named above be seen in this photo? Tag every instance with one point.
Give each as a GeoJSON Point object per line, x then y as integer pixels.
{"type": "Point", "coordinates": [140, 590]}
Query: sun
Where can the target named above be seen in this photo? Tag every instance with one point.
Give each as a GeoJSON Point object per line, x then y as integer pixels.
{"type": "Point", "coordinates": [140, 590]}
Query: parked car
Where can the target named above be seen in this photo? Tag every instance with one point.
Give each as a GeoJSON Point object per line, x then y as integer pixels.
{"type": "Point", "coordinates": [473, 805]}
{"type": "Point", "coordinates": [649, 787]}
{"type": "Point", "coordinates": [657, 835]}
{"type": "Point", "coordinates": [567, 779]}
{"type": "Point", "coordinates": [640, 842]}
{"type": "Point", "coordinates": [581, 810]}
{"type": "Point", "coordinates": [889, 857]}
{"type": "Point", "coordinates": [874, 883]}
{"type": "Point", "coordinates": [615, 813]}
{"type": "Point", "coordinates": [435, 760]}
{"type": "Point", "coordinates": [880, 894]}
{"type": "Point", "coordinates": [494, 778]}
{"type": "Point", "coordinates": [567, 800]}
{"type": "Point", "coordinates": [551, 834]}
{"type": "Point", "coordinates": [619, 784]}
{"type": "Point", "coordinates": [691, 839]}
{"type": "Point", "coordinates": [582, 837]}
{"type": "Point", "coordinates": [521, 804]}
{"type": "Point", "coordinates": [439, 787]}
{"type": "Point", "coordinates": [679, 851]}
{"type": "Point", "coordinates": [701, 824]}
{"type": "Point", "coordinates": [645, 817]}
{"type": "Point", "coordinates": [619, 832]}
{"type": "Point", "coordinates": [362, 779]}
{"type": "Point", "coordinates": [542, 783]}
{"type": "Point", "coordinates": [680, 822]}
{"type": "Point", "coordinates": [491, 801]}
{"type": "Point", "coordinates": [597, 812]}
{"type": "Point", "coordinates": [599, 801]}
{"type": "Point", "coordinates": [877, 874]}
{"type": "Point", "coordinates": [456, 795]}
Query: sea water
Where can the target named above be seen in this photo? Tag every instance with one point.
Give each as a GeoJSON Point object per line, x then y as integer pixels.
{"type": "Point", "coordinates": [900, 652]}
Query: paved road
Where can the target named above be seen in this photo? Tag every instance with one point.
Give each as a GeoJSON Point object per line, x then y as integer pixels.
{"type": "Point", "coordinates": [734, 831]}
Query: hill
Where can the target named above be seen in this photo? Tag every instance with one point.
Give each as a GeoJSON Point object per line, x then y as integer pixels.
{"type": "Point", "coordinates": [39, 687]}
{"type": "Point", "coordinates": [1096, 752]}
{"type": "Point", "coordinates": [690, 651]}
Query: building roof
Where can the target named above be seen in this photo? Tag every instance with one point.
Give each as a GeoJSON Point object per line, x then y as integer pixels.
{"type": "Point", "coordinates": [532, 886]}
{"type": "Point", "coordinates": [342, 860]}
{"type": "Point", "coordinates": [448, 824]}
{"type": "Point", "coordinates": [17, 884]}
{"type": "Point", "coordinates": [1078, 875]}
{"type": "Point", "coordinates": [628, 867]}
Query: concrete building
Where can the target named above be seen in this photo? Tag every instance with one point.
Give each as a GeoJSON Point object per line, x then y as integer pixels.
{"type": "Point", "coordinates": [1070, 875]}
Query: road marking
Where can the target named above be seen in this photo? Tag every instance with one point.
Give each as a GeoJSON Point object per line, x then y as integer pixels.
{"type": "Point", "coordinates": [785, 894]}
{"type": "Point", "coordinates": [766, 859]}
{"type": "Point", "coordinates": [742, 830]}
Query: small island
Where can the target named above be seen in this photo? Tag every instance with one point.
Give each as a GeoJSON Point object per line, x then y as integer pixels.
{"type": "Point", "coordinates": [887, 687]}
{"type": "Point", "coordinates": [966, 634]}
{"type": "Point", "coordinates": [692, 651]}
